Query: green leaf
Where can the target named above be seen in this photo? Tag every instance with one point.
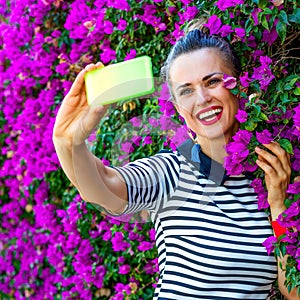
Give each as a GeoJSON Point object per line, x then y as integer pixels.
{"type": "Point", "coordinates": [265, 23]}
{"type": "Point", "coordinates": [263, 3]}
{"type": "Point", "coordinates": [283, 17]}
{"type": "Point", "coordinates": [267, 11]}
{"type": "Point", "coordinates": [295, 17]}
{"type": "Point", "coordinates": [286, 145]}
{"type": "Point", "coordinates": [249, 125]}
{"type": "Point", "coordinates": [263, 116]}
{"type": "Point", "coordinates": [294, 80]}
{"type": "Point", "coordinates": [281, 30]}
{"type": "Point", "coordinates": [297, 91]}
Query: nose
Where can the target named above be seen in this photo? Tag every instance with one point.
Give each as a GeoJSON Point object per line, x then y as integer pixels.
{"type": "Point", "coordinates": [203, 96]}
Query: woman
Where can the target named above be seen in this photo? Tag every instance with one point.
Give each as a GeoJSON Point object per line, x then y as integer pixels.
{"type": "Point", "coordinates": [209, 232]}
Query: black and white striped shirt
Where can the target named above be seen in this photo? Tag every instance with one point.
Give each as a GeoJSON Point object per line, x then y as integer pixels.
{"type": "Point", "coordinates": [209, 236]}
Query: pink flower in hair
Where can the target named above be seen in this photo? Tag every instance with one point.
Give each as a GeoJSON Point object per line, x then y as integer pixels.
{"type": "Point", "coordinates": [229, 82]}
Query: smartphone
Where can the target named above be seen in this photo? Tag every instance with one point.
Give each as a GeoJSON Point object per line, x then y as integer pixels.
{"type": "Point", "coordinates": [121, 81]}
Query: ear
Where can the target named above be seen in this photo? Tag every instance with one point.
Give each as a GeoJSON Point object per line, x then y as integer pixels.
{"type": "Point", "coordinates": [177, 107]}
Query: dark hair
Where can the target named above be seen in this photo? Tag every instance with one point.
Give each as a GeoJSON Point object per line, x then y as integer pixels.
{"type": "Point", "coordinates": [197, 39]}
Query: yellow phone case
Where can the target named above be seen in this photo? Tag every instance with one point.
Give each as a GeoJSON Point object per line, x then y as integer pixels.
{"type": "Point", "coordinates": [121, 81]}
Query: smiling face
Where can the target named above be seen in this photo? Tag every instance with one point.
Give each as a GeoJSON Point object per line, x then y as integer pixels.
{"type": "Point", "coordinates": [209, 109]}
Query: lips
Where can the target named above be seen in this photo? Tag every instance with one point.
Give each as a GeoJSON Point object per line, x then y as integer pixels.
{"type": "Point", "coordinates": [210, 115]}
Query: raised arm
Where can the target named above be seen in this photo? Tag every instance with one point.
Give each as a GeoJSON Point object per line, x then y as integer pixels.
{"type": "Point", "coordinates": [74, 123]}
{"type": "Point", "coordinates": [277, 168]}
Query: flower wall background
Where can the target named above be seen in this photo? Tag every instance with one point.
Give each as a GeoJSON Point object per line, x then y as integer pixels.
{"type": "Point", "coordinates": [52, 244]}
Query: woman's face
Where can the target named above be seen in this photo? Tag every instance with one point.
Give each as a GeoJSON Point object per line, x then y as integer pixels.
{"type": "Point", "coordinates": [208, 107]}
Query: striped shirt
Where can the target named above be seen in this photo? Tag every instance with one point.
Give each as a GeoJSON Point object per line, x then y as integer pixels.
{"type": "Point", "coordinates": [209, 235]}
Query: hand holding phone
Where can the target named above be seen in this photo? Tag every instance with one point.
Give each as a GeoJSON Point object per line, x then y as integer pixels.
{"type": "Point", "coordinates": [121, 81]}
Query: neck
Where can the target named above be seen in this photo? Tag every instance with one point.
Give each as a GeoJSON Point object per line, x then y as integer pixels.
{"type": "Point", "coordinates": [215, 149]}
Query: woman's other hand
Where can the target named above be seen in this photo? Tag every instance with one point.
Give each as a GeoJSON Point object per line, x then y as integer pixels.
{"type": "Point", "coordinates": [277, 168]}
{"type": "Point", "coordinates": [76, 119]}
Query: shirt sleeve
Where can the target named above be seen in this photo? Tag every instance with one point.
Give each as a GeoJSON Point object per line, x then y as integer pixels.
{"type": "Point", "coordinates": [150, 181]}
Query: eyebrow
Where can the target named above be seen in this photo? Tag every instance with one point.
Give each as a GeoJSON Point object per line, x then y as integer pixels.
{"type": "Point", "coordinates": [203, 79]}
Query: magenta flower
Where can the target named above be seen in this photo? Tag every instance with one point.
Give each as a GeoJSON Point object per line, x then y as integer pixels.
{"type": "Point", "coordinates": [269, 244]}
{"type": "Point", "coordinates": [62, 68]}
{"type": "Point", "coordinates": [186, 2]}
{"type": "Point", "coordinates": [263, 73]}
{"type": "Point", "coordinates": [214, 24]}
{"type": "Point", "coordinates": [190, 13]}
{"type": "Point", "coordinates": [243, 136]}
{"type": "Point", "coordinates": [119, 4]}
{"type": "Point", "coordinates": [294, 188]}
{"type": "Point", "coordinates": [177, 33]}
{"type": "Point", "coordinates": [238, 149]}
{"type": "Point", "coordinates": [229, 82]}
{"type": "Point", "coordinates": [241, 116]}
{"type": "Point", "coordinates": [136, 140]}
{"type": "Point", "coordinates": [144, 246]}
{"type": "Point", "coordinates": [121, 259]}
{"type": "Point", "coordinates": [270, 36]}
{"type": "Point", "coordinates": [120, 287]}
{"type": "Point", "coordinates": [107, 55]}
{"type": "Point", "coordinates": [240, 32]}
{"type": "Point", "coordinates": [262, 201]}
{"type": "Point", "coordinates": [152, 233]}
{"type": "Point", "coordinates": [131, 54]}
{"type": "Point", "coordinates": [135, 121]}
{"type": "Point", "coordinates": [262, 196]}
{"type": "Point", "coordinates": [108, 27]}
{"type": "Point", "coordinates": [125, 269]}
{"type": "Point", "coordinates": [225, 30]}
{"type": "Point", "coordinates": [296, 159]}
{"type": "Point", "coordinates": [296, 117]}
{"type": "Point", "coordinates": [250, 167]}
{"type": "Point", "coordinates": [151, 267]}
{"type": "Point", "coordinates": [118, 243]}
{"type": "Point", "coordinates": [245, 80]}
{"type": "Point", "coordinates": [122, 25]}
{"type": "Point", "coordinates": [107, 235]}
{"type": "Point", "coordinates": [254, 15]}
{"type": "Point", "coordinates": [147, 140]}
{"type": "Point", "coordinates": [264, 137]}
{"type": "Point", "coordinates": [127, 147]}
{"type": "Point", "coordinates": [232, 166]}
{"type": "Point", "coordinates": [224, 4]}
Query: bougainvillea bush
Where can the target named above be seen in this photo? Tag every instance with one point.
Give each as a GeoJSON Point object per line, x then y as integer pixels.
{"type": "Point", "coordinates": [52, 244]}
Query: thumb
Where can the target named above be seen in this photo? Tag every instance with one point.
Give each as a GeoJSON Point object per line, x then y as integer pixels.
{"type": "Point", "coordinates": [78, 83]}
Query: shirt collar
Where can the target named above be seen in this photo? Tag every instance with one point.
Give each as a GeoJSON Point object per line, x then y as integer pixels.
{"type": "Point", "coordinates": [210, 168]}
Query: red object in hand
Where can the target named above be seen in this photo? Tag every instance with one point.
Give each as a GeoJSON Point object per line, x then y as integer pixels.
{"type": "Point", "coordinates": [278, 229]}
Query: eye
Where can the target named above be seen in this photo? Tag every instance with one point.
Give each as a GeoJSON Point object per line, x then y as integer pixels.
{"type": "Point", "coordinates": [185, 92]}
{"type": "Point", "coordinates": [213, 81]}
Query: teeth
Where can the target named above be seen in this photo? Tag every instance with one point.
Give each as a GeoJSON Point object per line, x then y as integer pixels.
{"type": "Point", "coordinates": [211, 113]}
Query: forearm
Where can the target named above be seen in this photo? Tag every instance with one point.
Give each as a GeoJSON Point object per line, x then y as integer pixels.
{"type": "Point", "coordinates": [63, 150]}
{"type": "Point", "coordinates": [95, 182]}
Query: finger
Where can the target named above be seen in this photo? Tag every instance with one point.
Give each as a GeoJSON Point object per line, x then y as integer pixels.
{"type": "Point", "coordinates": [280, 153]}
{"type": "Point", "coordinates": [91, 67]}
{"type": "Point", "coordinates": [268, 158]}
{"type": "Point", "coordinates": [267, 168]}
{"type": "Point", "coordinates": [78, 84]}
